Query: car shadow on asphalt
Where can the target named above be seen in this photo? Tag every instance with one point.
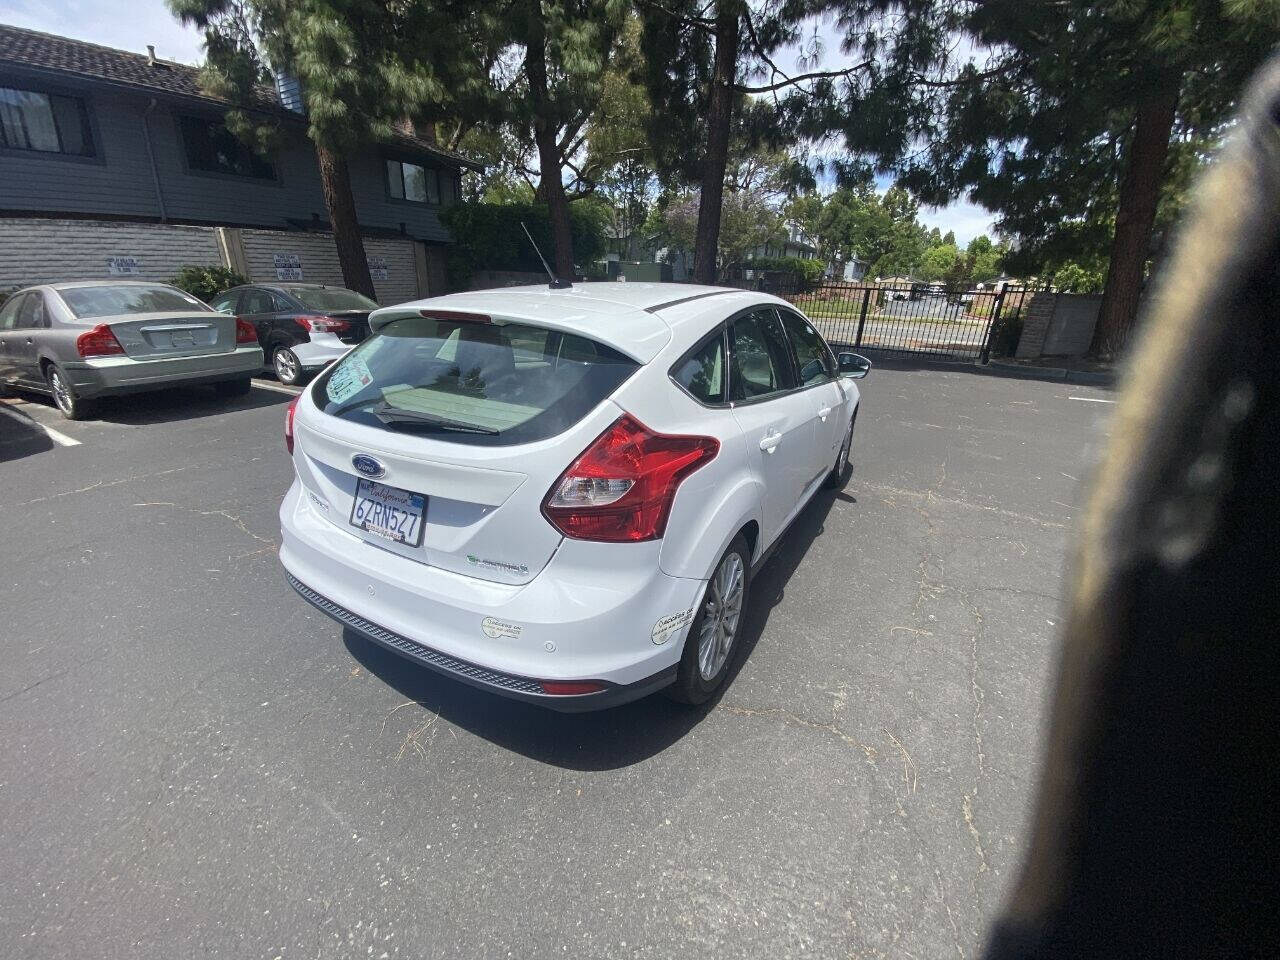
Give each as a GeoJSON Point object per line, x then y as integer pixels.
{"type": "Point", "coordinates": [18, 440]}
{"type": "Point", "coordinates": [608, 739]}
{"type": "Point", "coordinates": [172, 405]}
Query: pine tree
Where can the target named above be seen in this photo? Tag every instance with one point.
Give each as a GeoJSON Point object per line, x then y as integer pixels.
{"type": "Point", "coordinates": [1079, 119]}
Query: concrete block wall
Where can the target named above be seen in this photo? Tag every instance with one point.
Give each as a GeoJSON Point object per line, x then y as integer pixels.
{"type": "Point", "coordinates": [46, 251]}
{"type": "Point", "coordinates": [1035, 325]}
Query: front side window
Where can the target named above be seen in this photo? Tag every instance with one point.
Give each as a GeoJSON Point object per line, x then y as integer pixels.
{"type": "Point", "coordinates": [211, 148]}
{"type": "Point", "coordinates": [226, 303]}
{"type": "Point", "coordinates": [9, 312]}
{"type": "Point", "coordinates": [412, 182]}
{"type": "Point", "coordinates": [761, 356]}
{"type": "Point", "coordinates": [813, 358]}
{"type": "Point", "coordinates": [44, 123]}
{"type": "Point", "coordinates": [702, 373]}
{"type": "Point", "coordinates": [112, 301]}
{"type": "Point", "coordinates": [476, 383]}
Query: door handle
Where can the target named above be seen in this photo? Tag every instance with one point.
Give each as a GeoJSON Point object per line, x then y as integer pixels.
{"type": "Point", "coordinates": [823, 413]}
{"type": "Point", "coordinates": [769, 442]}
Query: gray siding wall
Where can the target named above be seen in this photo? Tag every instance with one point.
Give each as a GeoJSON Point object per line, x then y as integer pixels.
{"type": "Point", "coordinates": [119, 182]}
{"type": "Point", "coordinates": [47, 251]}
{"type": "Point", "coordinates": [319, 259]}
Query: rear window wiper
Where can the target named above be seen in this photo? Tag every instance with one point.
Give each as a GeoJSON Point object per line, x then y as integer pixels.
{"type": "Point", "coordinates": [397, 416]}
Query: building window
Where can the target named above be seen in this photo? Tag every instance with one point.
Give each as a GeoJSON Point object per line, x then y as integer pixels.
{"type": "Point", "coordinates": [412, 182]}
{"type": "Point", "coordinates": [44, 122]}
{"type": "Point", "coordinates": [211, 148]}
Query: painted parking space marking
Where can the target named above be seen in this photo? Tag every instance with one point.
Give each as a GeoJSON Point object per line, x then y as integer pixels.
{"type": "Point", "coordinates": [1091, 399]}
{"type": "Point", "coordinates": [57, 436]}
{"type": "Point", "coordinates": [277, 387]}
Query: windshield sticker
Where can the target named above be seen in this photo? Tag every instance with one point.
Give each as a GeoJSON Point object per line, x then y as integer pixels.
{"type": "Point", "coordinates": [666, 628]}
{"type": "Point", "coordinates": [497, 628]}
{"type": "Point", "coordinates": [350, 378]}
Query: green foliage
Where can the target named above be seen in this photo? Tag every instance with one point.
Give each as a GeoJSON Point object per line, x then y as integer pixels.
{"type": "Point", "coordinates": [489, 236]}
{"type": "Point", "coordinates": [1078, 278]}
{"type": "Point", "coordinates": [747, 221]}
{"type": "Point", "coordinates": [206, 282]}
{"type": "Point", "coordinates": [807, 272]}
{"type": "Point", "coordinates": [1007, 333]}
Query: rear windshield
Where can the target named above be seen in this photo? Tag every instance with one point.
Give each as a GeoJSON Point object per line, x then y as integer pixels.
{"type": "Point", "coordinates": [86, 302]}
{"type": "Point", "coordinates": [331, 298]}
{"type": "Point", "coordinates": [474, 383]}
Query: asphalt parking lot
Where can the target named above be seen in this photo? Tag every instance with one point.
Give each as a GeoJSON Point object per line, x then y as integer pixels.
{"type": "Point", "coordinates": [193, 762]}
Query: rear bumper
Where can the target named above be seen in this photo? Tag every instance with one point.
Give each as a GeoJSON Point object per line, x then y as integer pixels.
{"type": "Point", "coordinates": [320, 350]}
{"type": "Point", "coordinates": [598, 612]}
{"type": "Point", "coordinates": [503, 684]}
{"type": "Point", "coordinates": [102, 376]}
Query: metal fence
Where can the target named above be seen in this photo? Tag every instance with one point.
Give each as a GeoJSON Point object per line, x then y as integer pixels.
{"type": "Point", "coordinates": [908, 319]}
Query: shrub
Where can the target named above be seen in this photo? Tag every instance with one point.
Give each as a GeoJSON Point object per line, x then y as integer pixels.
{"type": "Point", "coordinates": [206, 283]}
{"type": "Point", "coordinates": [1007, 333]}
{"type": "Point", "coordinates": [489, 236]}
{"type": "Point", "coordinates": [806, 272]}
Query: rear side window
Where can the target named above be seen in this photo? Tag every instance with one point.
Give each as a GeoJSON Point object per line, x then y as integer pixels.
{"type": "Point", "coordinates": [110, 301]}
{"type": "Point", "coordinates": [761, 356]}
{"type": "Point", "coordinates": [702, 373]}
{"type": "Point", "coordinates": [475, 383]}
{"type": "Point", "coordinates": [31, 314]}
{"type": "Point", "coordinates": [815, 363]}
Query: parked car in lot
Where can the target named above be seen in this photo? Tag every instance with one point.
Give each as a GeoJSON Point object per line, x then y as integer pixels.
{"type": "Point", "coordinates": [561, 495]}
{"type": "Point", "coordinates": [301, 326]}
{"type": "Point", "coordinates": [97, 338]}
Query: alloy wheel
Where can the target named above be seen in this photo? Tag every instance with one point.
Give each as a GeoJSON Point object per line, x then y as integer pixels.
{"type": "Point", "coordinates": [721, 611]}
{"type": "Point", "coordinates": [287, 366]}
{"type": "Point", "coordinates": [61, 395]}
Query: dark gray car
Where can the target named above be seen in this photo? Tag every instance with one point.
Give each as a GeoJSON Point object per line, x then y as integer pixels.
{"type": "Point", "coordinates": [80, 341]}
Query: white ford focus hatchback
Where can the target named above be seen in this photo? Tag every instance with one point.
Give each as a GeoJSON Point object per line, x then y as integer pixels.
{"type": "Point", "coordinates": [559, 495]}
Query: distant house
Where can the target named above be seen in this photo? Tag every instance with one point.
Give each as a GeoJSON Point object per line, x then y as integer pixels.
{"type": "Point", "coordinates": [115, 163]}
{"type": "Point", "coordinates": [794, 243]}
{"type": "Point", "coordinates": [855, 268]}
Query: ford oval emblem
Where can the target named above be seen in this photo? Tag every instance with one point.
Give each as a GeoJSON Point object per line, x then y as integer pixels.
{"type": "Point", "coordinates": [367, 466]}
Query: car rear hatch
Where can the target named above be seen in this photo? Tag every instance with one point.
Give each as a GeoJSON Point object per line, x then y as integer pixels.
{"type": "Point", "coordinates": [470, 419]}
{"type": "Point", "coordinates": [169, 334]}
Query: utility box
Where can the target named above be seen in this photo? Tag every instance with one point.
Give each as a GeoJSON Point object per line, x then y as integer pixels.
{"type": "Point", "coordinates": [637, 272]}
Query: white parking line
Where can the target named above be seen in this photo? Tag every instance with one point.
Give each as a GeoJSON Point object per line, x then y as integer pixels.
{"type": "Point", "coordinates": [277, 387]}
{"type": "Point", "coordinates": [57, 436]}
{"type": "Point", "coordinates": [1091, 399]}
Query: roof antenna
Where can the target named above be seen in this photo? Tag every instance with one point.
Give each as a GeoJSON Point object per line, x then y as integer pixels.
{"type": "Point", "coordinates": [556, 283]}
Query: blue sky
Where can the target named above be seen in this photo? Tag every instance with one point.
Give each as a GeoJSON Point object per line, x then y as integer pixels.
{"type": "Point", "coordinates": [136, 23]}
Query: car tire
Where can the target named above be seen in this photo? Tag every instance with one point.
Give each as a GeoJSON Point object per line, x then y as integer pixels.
{"type": "Point", "coordinates": [234, 388]}
{"type": "Point", "coordinates": [839, 474]}
{"type": "Point", "coordinates": [287, 367]}
{"type": "Point", "coordinates": [708, 650]}
{"type": "Point", "coordinates": [69, 403]}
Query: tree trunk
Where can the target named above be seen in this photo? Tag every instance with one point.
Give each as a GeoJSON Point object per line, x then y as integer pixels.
{"type": "Point", "coordinates": [1139, 197]}
{"type": "Point", "coordinates": [341, 205]}
{"type": "Point", "coordinates": [550, 167]}
{"type": "Point", "coordinates": [719, 119]}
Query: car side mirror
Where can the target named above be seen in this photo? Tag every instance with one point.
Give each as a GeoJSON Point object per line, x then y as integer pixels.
{"type": "Point", "coordinates": [853, 365]}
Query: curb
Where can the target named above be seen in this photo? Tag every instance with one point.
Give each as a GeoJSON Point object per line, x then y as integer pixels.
{"type": "Point", "coordinates": [1058, 374]}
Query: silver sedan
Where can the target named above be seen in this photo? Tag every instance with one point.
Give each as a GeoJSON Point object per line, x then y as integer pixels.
{"type": "Point", "coordinates": [80, 341]}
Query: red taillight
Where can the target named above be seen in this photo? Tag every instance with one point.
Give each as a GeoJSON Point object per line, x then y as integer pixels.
{"type": "Point", "coordinates": [98, 342]}
{"type": "Point", "coordinates": [621, 488]}
{"type": "Point", "coordinates": [288, 425]}
{"type": "Point", "coordinates": [456, 316]}
{"type": "Point", "coordinates": [569, 688]}
{"type": "Point", "coordinates": [245, 331]}
{"type": "Point", "coordinates": [324, 324]}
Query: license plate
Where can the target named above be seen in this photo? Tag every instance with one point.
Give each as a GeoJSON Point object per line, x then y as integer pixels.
{"type": "Point", "coordinates": [389, 512]}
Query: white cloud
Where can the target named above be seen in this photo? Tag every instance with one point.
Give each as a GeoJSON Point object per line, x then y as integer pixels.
{"type": "Point", "coordinates": [966, 220]}
{"type": "Point", "coordinates": [128, 26]}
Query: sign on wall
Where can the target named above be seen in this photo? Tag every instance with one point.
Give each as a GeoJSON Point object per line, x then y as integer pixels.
{"type": "Point", "coordinates": [378, 268]}
{"type": "Point", "coordinates": [123, 266]}
{"type": "Point", "coordinates": [288, 266]}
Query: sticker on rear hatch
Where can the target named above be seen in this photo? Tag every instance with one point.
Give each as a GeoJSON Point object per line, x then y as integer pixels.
{"type": "Point", "coordinates": [498, 628]}
{"type": "Point", "coordinates": [351, 376]}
